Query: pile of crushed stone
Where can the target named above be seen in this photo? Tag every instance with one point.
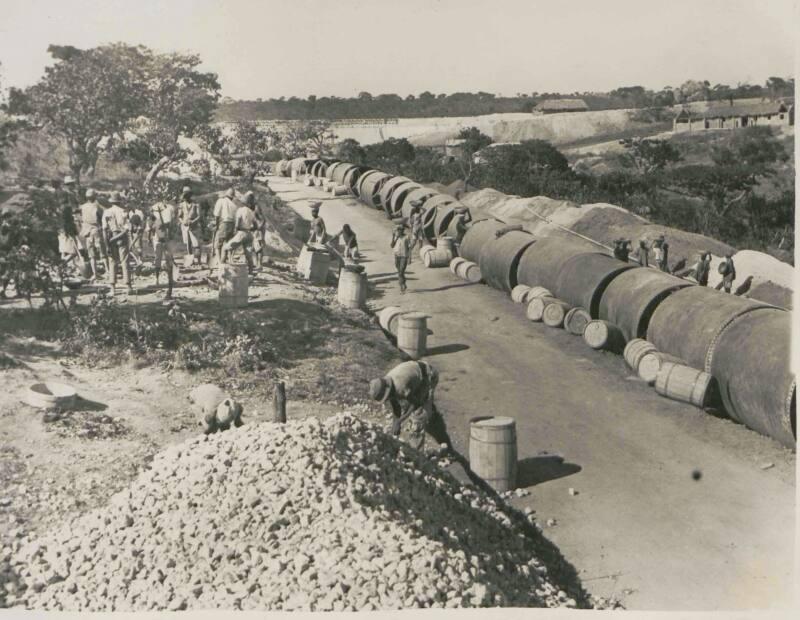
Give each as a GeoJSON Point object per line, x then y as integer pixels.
{"type": "Point", "coordinates": [310, 515]}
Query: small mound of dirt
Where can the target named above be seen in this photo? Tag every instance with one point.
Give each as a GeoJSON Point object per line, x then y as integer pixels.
{"type": "Point", "coordinates": [84, 424]}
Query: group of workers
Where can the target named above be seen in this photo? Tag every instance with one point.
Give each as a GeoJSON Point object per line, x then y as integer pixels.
{"type": "Point", "coordinates": [660, 252]}
{"type": "Point", "coordinates": [91, 234]}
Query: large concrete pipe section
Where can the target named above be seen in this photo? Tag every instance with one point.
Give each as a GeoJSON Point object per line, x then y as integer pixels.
{"type": "Point", "coordinates": [478, 235]}
{"type": "Point", "coordinates": [421, 193]}
{"type": "Point", "coordinates": [352, 177]}
{"type": "Point", "coordinates": [298, 165]}
{"type": "Point", "coordinates": [318, 169]}
{"type": "Point", "coordinates": [444, 215]}
{"type": "Point", "coordinates": [688, 322]}
{"type": "Point", "coordinates": [631, 298]}
{"type": "Point", "coordinates": [541, 263]}
{"type": "Point", "coordinates": [399, 195]}
{"type": "Point", "coordinates": [332, 168]}
{"type": "Point", "coordinates": [388, 188]}
{"type": "Point", "coordinates": [752, 366]}
{"type": "Point", "coordinates": [282, 168]}
{"type": "Point", "coordinates": [369, 185]}
{"type": "Point", "coordinates": [500, 257]}
{"type": "Point", "coordinates": [582, 279]}
{"type": "Point", "coordinates": [340, 172]}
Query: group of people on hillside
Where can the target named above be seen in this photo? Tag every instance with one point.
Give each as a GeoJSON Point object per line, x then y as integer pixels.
{"type": "Point", "coordinates": [700, 270]}
{"type": "Point", "coordinates": [114, 236]}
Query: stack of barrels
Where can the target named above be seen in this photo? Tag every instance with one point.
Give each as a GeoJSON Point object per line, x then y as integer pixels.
{"type": "Point", "coordinates": [438, 256]}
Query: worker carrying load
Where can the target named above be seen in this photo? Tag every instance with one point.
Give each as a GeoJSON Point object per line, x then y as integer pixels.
{"type": "Point", "coordinates": [415, 224]}
{"type": "Point", "coordinates": [401, 247]}
{"type": "Point", "coordinates": [215, 409]}
{"type": "Point", "coordinates": [461, 222]}
{"type": "Point", "coordinates": [318, 232]}
{"type": "Point", "coordinates": [409, 388]}
{"type": "Point", "coordinates": [728, 272]}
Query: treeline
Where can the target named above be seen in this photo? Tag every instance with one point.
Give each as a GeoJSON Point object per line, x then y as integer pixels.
{"type": "Point", "coordinates": [428, 104]}
{"type": "Point", "coordinates": [720, 198]}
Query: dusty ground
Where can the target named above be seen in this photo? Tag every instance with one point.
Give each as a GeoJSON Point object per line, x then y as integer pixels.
{"type": "Point", "coordinates": [640, 527]}
{"type": "Point", "coordinates": [130, 407]}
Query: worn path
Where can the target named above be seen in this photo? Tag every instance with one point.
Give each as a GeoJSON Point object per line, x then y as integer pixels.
{"type": "Point", "coordinates": [640, 527]}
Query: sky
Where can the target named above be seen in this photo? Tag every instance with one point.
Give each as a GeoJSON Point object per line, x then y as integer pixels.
{"type": "Point", "coordinates": [274, 48]}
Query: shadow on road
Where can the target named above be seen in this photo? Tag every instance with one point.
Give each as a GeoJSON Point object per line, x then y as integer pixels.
{"type": "Point", "coordinates": [444, 288]}
{"type": "Point", "coordinates": [84, 404]}
{"type": "Point", "coordinates": [446, 348]}
{"type": "Point", "coordinates": [539, 469]}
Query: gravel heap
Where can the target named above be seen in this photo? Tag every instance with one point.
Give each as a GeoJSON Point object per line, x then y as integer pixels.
{"type": "Point", "coordinates": [310, 515]}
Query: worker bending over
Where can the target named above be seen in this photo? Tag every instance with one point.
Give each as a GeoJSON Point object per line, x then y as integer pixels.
{"type": "Point", "coordinates": [409, 388]}
{"type": "Point", "coordinates": [349, 240]}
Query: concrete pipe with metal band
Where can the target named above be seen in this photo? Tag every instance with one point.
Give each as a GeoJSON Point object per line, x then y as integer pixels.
{"type": "Point", "coordinates": [477, 236]}
{"type": "Point", "coordinates": [444, 215]}
{"type": "Point", "coordinates": [352, 177]}
{"type": "Point", "coordinates": [388, 188]}
{"type": "Point", "coordinates": [369, 185]}
{"type": "Point", "coordinates": [500, 257]}
{"type": "Point", "coordinates": [332, 168]}
{"type": "Point", "coordinates": [631, 298]}
{"type": "Point", "coordinates": [340, 171]}
{"type": "Point", "coordinates": [541, 263]}
{"type": "Point", "coordinates": [318, 169]}
{"type": "Point", "coordinates": [420, 193]}
{"type": "Point", "coordinates": [752, 366]}
{"type": "Point", "coordinates": [687, 323]}
{"type": "Point", "coordinates": [582, 279]}
{"type": "Point", "coordinates": [399, 195]}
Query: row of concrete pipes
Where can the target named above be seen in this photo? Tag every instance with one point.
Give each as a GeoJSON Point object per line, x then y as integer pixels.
{"type": "Point", "coordinates": [742, 343]}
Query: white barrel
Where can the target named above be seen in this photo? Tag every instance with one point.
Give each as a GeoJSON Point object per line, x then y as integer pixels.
{"type": "Point", "coordinates": [352, 290]}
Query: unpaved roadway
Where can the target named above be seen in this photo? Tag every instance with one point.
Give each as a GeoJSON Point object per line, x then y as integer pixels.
{"type": "Point", "coordinates": [640, 526]}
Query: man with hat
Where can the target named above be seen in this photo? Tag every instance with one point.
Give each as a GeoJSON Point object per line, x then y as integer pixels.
{"type": "Point", "coordinates": [245, 222]}
{"type": "Point", "coordinates": [225, 220]}
{"type": "Point", "coordinates": [409, 388]}
{"type": "Point", "coordinates": [91, 229]}
{"type": "Point", "coordinates": [116, 227]}
{"type": "Point", "coordinates": [163, 226]}
{"type": "Point", "coordinates": [319, 233]}
{"type": "Point", "coordinates": [190, 223]}
{"type": "Point", "coordinates": [401, 247]}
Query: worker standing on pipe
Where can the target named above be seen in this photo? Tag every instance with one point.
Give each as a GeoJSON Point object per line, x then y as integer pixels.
{"type": "Point", "coordinates": [621, 250]}
{"type": "Point", "coordinates": [642, 254]}
{"type": "Point", "coordinates": [318, 231]}
{"type": "Point", "coordinates": [728, 273]}
{"type": "Point", "coordinates": [660, 253]}
{"type": "Point", "coordinates": [409, 388]}
{"type": "Point", "coordinates": [401, 247]}
{"type": "Point", "coordinates": [225, 216]}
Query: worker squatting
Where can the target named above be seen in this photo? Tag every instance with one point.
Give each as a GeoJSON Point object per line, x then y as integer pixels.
{"type": "Point", "coordinates": [92, 235]}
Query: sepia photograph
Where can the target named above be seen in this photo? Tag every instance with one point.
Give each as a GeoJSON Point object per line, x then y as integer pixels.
{"type": "Point", "coordinates": [380, 306]}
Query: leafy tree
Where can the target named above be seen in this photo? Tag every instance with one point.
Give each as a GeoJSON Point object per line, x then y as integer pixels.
{"type": "Point", "coordinates": [754, 147]}
{"type": "Point", "coordinates": [474, 141]}
{"type": "Point", "coordinates": [86, 98]}
{"type": "Point", "coordinates": [251, 146]}
{"type": "Point", "coordinates": [179, 99]}
{"type": "Point", "coordinates": [301, 137]}
{"type": "Point", "coordinates": [648, 155]}
{"type": "Point", "coordinates": [351, 151]}
{"type": "Point", "coordinates": [391, 154]}
{"type": "Point", "coordinates": [9, 130]}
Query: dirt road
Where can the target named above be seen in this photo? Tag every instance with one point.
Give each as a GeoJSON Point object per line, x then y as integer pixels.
{"type": "Point", "coordinates": [640, 526]}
